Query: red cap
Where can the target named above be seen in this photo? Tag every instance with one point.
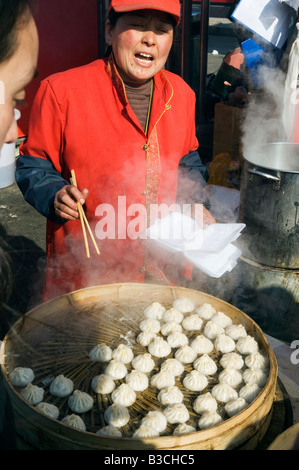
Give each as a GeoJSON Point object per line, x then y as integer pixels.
{"type": "Point", "coordinates": [173, 7]}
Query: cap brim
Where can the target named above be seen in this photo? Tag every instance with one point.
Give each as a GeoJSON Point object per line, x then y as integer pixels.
{"type": "Point", "coordinates": [144, 6]}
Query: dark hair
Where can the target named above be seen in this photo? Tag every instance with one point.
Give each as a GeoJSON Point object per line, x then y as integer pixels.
{"type": "Point", "coordinates": [113, 17]}
{"type": "Point", "coordinates": [14, 14]}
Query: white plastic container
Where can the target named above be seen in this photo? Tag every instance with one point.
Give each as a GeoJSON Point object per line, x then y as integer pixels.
{"type": "Point", "coordinates": [210, 249]}
{"type": "Point", "coordinates": [8, 161]}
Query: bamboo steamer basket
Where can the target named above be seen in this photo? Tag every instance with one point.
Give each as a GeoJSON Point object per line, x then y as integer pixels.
{"type": "Point", "coordinates": [80, 310]}
{"type": "Point", "coordinates": [287, 440]}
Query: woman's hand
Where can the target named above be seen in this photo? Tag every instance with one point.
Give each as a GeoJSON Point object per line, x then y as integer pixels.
{"type": "Point", "coordinates": [201, 215]}
{"type": "Point", "coordinates": [65, 202]}
{"type": "Point", "coordinates": [208, 218]}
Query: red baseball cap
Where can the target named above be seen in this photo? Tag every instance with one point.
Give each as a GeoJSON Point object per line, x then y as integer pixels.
{"type": "Point", "coordinates": [173, 7]}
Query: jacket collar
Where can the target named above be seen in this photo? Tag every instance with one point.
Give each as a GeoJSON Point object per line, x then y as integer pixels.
{"type": "Point", "coordinates": [163, 88]}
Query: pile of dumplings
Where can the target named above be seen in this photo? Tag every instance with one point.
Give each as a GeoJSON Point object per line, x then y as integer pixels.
{"type": "Point", "coordinates": [198, 365]}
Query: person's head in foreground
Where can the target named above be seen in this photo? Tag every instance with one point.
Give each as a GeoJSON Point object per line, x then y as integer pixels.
{"type": "Point", "coordinates": [18, 61]}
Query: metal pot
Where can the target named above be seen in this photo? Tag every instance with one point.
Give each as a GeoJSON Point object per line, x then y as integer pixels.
{"type": "Point", "coordinates": [269, 204]}
{"type": "Point", "coordinates": [270, 296]}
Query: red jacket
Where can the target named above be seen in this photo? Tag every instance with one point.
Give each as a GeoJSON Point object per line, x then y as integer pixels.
{"type": "Point", "coordinates": [81, 120]}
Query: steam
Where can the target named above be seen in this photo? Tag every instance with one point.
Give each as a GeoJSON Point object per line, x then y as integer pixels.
{"type": "Point", "coordinates": [263, 121]}
{"type": "Point", "coordinates": [290, 93]}
{"type": "Point", "coordinates": [271, 114]}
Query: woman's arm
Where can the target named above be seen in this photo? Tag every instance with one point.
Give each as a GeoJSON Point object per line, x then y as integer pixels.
{"type": "Point", "coordinates": [47, 191]}
{"type": "Point", "coordinates": [39, 182]}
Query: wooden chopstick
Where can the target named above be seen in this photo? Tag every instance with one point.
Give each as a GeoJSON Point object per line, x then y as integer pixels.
{"type": "Point", "coordinates": [89, 230]}
{"type": "Point", "coordinates": [84, 221]}
{"type": "Point", "coordinates": [80, 209]}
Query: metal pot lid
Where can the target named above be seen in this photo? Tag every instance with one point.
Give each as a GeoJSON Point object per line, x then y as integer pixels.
{"type": "Point", "coordinates": [279, 156]}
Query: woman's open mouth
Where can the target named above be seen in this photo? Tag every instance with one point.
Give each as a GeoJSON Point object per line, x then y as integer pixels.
{"type": "Point", "coordinates": [144, 58]}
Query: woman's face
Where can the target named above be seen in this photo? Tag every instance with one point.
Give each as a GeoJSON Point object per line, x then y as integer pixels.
{"type": "Point", "coordinates": [141, 42]}
{"type": "Point", "coordinates": [15, 74]}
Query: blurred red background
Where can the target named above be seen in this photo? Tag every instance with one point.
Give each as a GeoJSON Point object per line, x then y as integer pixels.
{"type": "Point", "coordinates": [68, 34]}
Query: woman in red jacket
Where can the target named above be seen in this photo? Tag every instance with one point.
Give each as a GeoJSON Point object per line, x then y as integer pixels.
{"type": "Point", "coordinates": [124, 125]}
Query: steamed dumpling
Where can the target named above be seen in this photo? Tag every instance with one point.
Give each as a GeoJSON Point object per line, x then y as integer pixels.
{"type": "Point", "coordinates": [235, 406]}
{"type": "Point", "coordinates": [101, 353]}
{"type": "Point", "coordinates": [117, 415]}
{"type": "Point", "coordinates": [150, 324]}
{"type": "Point", "coordinates": [236, 331]}
{"type": "Point", "coordinates": [205, 402]}
{"type": "Point", "coordinates": [177, 339]}
{"type": "Point", "coordinates": [162, 379]}
{"type": "Point", "coordinates": [182, 429]}
{"type": "Point", "coordinates": [209, 419]}
{"type": "Point", "coordinates": [247, 345]}
{"type": "Point", "coordinates": [170, 327]}
{"type": "Point", "coordinates": [205, 365]}
{"type": "Point", "coordinates": [221, 319]}
{"type": "Point", "coordinates": [155, 420]}
{"type": "Point", "coordinates": [249, 392]}
{"type": "Point", "coordinates": [155, 311]}
{"type": "Point", "coordinates": [224, 343]}
{"type": "Point", "coordinates": [33, 394]}
{"type": "Point", "coordinates": [109, 430]}
{"type": "Point", "coordinates": [48, 409]}
{"type": "Point", "coordinates": [257, 360]}
{"type": "Point", "coordinates": [184, 305]}
{"type": "Point", "coordinates": [21, 376]}
{"type": "Point", "coordinates": [255, 375]}
{"type": "Point", "coordinates": [233, 360]}
{"type": "Point", "coordinates": [185, 354]}
{"type": "Point", "coordinates": [170, 395]}
{"type": "Point", "coordinates": [202, 345]}
{"type": "Point", "coordinates": [80, 402]}
{"type": "Point", "coordinates": [224, 392]}
{"type": "Point", "coordinates": [195, 381]}
{"type": "Point", "coordinates": [123, 354]}
{"type": "Point", "coordinates": [145, 431]}
{"type": "Point", "coordinates": [230, 376]}
{"type": "Point", "coordinates": [206, 311]}
{"type": "Point", "coordinates": [173, 366]}
{"type": "Point", "coordinates": [137, 380]}
{"type": "Point", "coordinates": [124, 395]}
{"type": "Point", "coordinates": [212, 330]}
{"type": "Point", "coordinates": [176, 413]}
{"type": "Point", "coordinates": [61, 386]}
{"type": "Point", "coordinates": [159, 347]}
{"type": "Point", "coordinates": [172, 314]}
{"type": "Point", "coordinates": [116, 369]}
{"type": "Point", "coordinates": [146, 337]}
{"type": "Point", "coordinates": [75, 421]}
{"type": "Point", "coordinates": [143, 362]}
{"type": "Point", "coordinates": [102, 384]}
{"type": "Point", "coordinates": [192, 322]}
